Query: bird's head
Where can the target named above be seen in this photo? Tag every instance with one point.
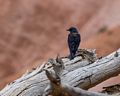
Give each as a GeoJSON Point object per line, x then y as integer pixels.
{"type": "Point", "coordinates": [72, 30]}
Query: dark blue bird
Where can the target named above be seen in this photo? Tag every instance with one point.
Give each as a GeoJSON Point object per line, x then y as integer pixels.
{"type": "Point", "coordinates": [74, 40]}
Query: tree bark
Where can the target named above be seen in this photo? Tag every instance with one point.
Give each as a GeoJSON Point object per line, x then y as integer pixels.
{"type": "Point", "coordinates": [85, 71]}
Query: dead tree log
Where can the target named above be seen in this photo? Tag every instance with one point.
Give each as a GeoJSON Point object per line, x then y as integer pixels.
{"type": "Point", "coordinates": [85, 71]}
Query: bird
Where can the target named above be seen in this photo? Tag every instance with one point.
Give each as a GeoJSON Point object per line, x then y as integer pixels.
{"type": "Point", "coordinates": [74, 40]}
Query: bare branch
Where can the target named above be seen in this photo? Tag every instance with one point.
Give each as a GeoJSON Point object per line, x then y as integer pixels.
{"type": "Point", "coordinates": [81, 72]}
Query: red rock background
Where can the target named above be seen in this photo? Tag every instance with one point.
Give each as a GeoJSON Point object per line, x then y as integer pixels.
{"type": "Point", "coordinates": [31, 31]}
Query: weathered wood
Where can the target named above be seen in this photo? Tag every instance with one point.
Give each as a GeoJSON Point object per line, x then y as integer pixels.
{"type": "Point", "coordinates": [77, 73]}
{"type": "Point", "coordinates": [58, 88]}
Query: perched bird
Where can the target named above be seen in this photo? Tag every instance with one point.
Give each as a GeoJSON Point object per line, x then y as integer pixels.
{"type": "Point", "coordinates": [74, 40]}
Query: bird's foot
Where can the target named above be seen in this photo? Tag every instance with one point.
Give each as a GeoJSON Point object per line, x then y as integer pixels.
{"type": "Point", "coordinates": [71, 57]}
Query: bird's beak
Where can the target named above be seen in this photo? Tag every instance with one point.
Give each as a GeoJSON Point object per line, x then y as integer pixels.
{"type": "Point", "coordinates": [68, 29]}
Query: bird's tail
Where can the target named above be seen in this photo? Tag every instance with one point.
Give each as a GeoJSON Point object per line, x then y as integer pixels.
{"type": "Point", "coordinates": [72, 56]}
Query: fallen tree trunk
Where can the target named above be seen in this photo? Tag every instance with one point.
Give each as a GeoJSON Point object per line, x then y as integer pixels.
{"type": "Point", "coordinates": [85, 71]}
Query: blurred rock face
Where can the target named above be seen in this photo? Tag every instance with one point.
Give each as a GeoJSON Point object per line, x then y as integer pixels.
{"type": "Point", "coordinates": [34, 30]}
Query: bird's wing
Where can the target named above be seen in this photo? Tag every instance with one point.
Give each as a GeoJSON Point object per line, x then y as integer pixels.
{"type": "Point", "coordinates": [77, 40]}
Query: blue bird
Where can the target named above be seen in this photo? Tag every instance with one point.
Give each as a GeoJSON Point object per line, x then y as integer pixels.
{"type": "Point", "coordinates": [74, 40]}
